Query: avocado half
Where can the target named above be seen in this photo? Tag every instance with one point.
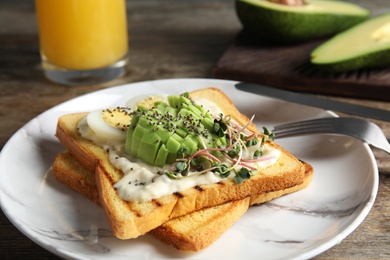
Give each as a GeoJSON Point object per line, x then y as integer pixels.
{"type": "Point", "coordinates": [364, 45]}
{"type": "Point", "coordinates": [290, 24]}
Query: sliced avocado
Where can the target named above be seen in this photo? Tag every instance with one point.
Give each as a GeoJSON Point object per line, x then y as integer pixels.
{"type": "Point", "coordinates": [129, 140]}
{"type": "Point", "coordinates": [166, 132]}
{"type": "Point", "coordinates": [149, 147]}
{"type": "Point", "coordinates": [207, 122]}
{"type": "Point", "coordinates": [174, 101]}
{"type": "Point", "coordinates": [170, 111]}
{"type": "Point", "coordinates": [289, 24]}
{"type": "Point", "coordinates": [173, 146]}
{"type": "Point", "coordinates": [146, 123]}
{"type": "Point", "coordinates": [161, 157]}
{"type": "Point", "coordinates": [184, 100]}
{"type": "Point", "coordinates": [190, 145]}
{"type": "Point", "coordinates": [129, 134]}
{"type": "Point", "coordinates": [133, 142]}
{"type": "Point", "coordinates": [198, 112]}
{"type": "Point", "coordinates": [188, 114]}
{"type": "Point", "coordinates": [160, 106]}
{"type": "Point", "coordinates": [364, 45]}
{"type": "Point", "coordinates": [182, 132]}
{"type": "Point", "coordinates": [164, 135]}
{"type": "Point", "coordinates": [222, 142]}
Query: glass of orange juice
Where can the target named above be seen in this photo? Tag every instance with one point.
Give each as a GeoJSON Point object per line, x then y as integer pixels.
{"type": "Point", "coordinates": [82, 41]}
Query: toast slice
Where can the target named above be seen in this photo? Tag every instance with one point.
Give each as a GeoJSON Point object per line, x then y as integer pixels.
{"type": "Point", "coordinates": [192, 232]}
{"type": "Point", "coordinates": [130, 219]}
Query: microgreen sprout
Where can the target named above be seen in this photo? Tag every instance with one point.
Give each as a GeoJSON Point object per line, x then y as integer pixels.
{"type": "Point", "coordinates": [186, 94]}
{"type": "Point", "coordinates": [267, 132]}
{"type": "Point", "coordinates": [238, 154]}
{"type": "Point", "coordinates": [242, 175]}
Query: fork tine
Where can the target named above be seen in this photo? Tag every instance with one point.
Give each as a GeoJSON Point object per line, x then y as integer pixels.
{"type": "Point", "coordinates": [314, 126]}
{"type": "Point", "coordinates": [298, 132]}
{"type": "Point", "coordinates": [311, 122]}
{"type": "Point", "coordinates": [354, 127]}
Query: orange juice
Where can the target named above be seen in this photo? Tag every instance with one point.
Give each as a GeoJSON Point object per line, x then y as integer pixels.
{"type": "Point", "coordinates": [82, 34]}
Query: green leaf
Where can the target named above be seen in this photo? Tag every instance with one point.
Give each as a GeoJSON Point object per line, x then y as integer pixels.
{"type": "Point", "coordinates": [186, 94]}
{"type": "Point", "coordinates": [222, 170]}
{"type": "Point", "coordinates": [242, 175]}
{"type": "Point", "coordinates": [182, 152]}
{"type": "Point", "coordinates": [219, 128]}
{"type": "Point", "coordinates": [225, 174]}
{"type": "Point", "coordinates": [258, 153]}
{"type": "Point", "coordinates": [238, 179]}
{"type": "Point", "coordinates": [234, 152]}
{"type": "Point", "coordinates": [181, 166]}
{"type": "Point", "coordinates": [252, 142]}
{"type": "Point", "coordinates": [171, 175]}
{"type": "Point", "coordinates": [271, 136]}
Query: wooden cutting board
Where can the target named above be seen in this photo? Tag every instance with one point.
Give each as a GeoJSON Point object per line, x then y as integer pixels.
{"type": "Point", "coordinates": [288, 67]}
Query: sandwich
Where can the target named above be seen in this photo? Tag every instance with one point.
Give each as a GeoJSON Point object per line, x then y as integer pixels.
{"type": "Point", "coordinates": [186, 157]}
{"type": "Point", "coordinates": [192, 232]}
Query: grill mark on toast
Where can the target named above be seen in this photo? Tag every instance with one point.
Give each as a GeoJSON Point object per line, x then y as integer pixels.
{"type": "Point", "coordinates": [157, 203]}
{"type": "Point", "coordinates": [221, 183]}
{"type": "Point", "coordinates": [198, 188]}
{"type": "Point", "coordinates": [178, 195]}
{"type": "Point", "coordinates": [131, 208]}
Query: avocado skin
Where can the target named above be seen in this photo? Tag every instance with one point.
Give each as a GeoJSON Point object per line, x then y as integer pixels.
{"type": "Point", "coordinates": [277, 26]}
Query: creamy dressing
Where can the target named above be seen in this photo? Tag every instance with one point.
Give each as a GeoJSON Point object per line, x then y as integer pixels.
{"type": "Point", "coordinates": [142, 182]}
{"type": "Point", "coordinates": [209, 106]}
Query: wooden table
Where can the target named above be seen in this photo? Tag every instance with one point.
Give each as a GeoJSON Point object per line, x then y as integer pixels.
{"type": "Point", "coordinates": [168, 39]}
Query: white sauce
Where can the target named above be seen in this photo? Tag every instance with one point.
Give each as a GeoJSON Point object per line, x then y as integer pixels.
{"type": "Point", "coordinates": [209, 106]}
{"type": "Point", "coordinates": [141, 181]}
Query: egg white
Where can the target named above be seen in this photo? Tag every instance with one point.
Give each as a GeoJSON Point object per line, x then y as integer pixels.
{"type": "Point", "coordinates": [102, 129]}
{"type": "Point", "coordinates": [106, 132]}
{"type": "Point", "coordinates": [133, 102]}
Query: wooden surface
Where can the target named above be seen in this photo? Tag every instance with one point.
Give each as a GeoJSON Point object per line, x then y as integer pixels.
{"type": "Point", "coordinates": [288, 67]}
{"type": "Point", "coordinates": [168, 39]}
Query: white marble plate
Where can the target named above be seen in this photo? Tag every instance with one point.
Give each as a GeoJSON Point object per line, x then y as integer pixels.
{"type": "Point", "coordinates": [298, 226]}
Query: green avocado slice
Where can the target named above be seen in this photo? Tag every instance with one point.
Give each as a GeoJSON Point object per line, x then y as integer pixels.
{"type": "Point", "coordinates": [148, 151]}
{"type": "Point", "coordinates": [364, 45]}
{"type": "Point", "coordinates": [166, 132]}
{"type": "Point", "coordinates": [173, 146]}
{"type": "Point", "coordinates": [290, 24]}
{"type": "Point", "coordinates": [161, 157]}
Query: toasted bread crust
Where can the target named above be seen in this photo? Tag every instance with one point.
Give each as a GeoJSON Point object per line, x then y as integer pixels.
{"type": "Point", "coordinates": [198, 230]}
{"type": "Point", "coordinates": [82, 149]}
{"type": "Point", "coordinates": [192, 232]}
{"type": "Point", "coordinates": [70, 172]}
{"type": "Point", "coordinates": [132, 219]}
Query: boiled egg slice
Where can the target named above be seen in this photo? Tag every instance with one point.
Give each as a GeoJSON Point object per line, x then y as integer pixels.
{"type": "Point", "coordinates": [110, 124]}
{"type": "Point", "coordinates": [147, 100]}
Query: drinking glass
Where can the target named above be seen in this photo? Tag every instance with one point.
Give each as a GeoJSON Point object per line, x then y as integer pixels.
{"type": "Point", "coordinates": [82, 41]}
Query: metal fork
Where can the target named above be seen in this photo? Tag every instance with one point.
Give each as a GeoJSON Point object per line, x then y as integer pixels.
{"type": "Point", "coordinates": [355, 127]}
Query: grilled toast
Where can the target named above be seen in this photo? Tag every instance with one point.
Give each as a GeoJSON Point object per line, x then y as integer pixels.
{"type": "Point", "coordinates": [130, 219]}
{"type": "Point", "coordinates": [192, 232]}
